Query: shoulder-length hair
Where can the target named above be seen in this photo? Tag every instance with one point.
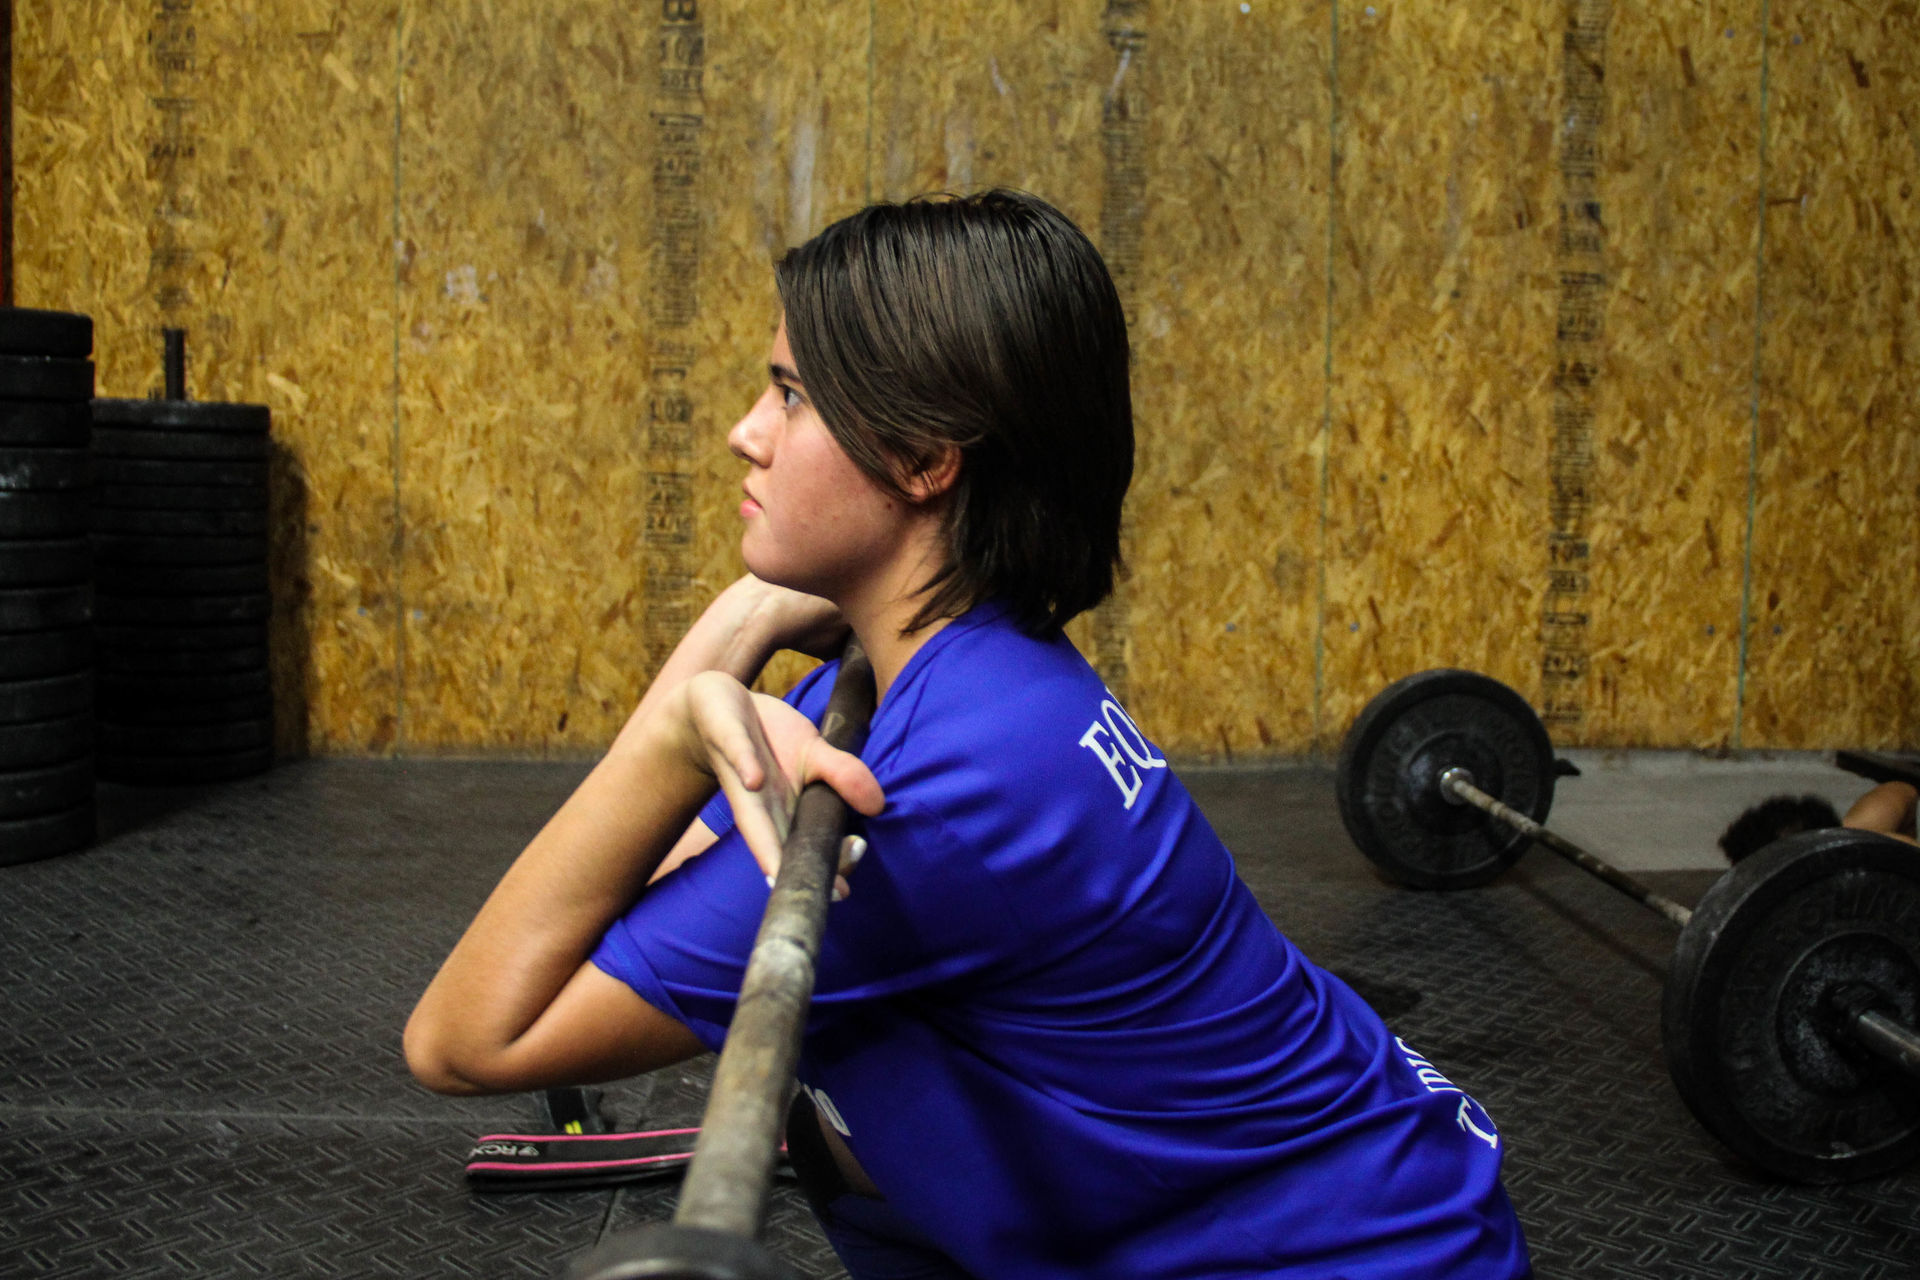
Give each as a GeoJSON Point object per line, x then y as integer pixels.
{"type": "Point", "coordinates": [987, 323]}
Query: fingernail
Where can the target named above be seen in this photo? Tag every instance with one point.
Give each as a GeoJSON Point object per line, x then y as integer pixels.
{"type": "Point", "coordinates": [839, 890]}
{"type": "Point", "coordinates": [769, 882]}
{"type": "Point", "coordinates": [856, 850]}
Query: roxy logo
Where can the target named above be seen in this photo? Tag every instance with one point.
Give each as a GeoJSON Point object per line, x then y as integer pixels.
{"type": "Point", "coordinates": [1117, 740]}
{"type": "Point", "coordinates": [519, 1150]}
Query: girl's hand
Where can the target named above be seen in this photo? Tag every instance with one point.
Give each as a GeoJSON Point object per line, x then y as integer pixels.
{"type": "Point", "coordinates": [794, 620]}
{"type": "Point", "coordinates": [763, 753]}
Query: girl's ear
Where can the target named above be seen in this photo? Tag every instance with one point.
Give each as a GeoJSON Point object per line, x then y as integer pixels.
{"type": "Point", "coordinates": [935, 478]}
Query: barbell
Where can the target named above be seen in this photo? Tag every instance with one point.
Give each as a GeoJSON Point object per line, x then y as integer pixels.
{"type": "Point", "coordinates": [1788, 1015]}
{"type": "Point", "coordinates": [715, 1230]}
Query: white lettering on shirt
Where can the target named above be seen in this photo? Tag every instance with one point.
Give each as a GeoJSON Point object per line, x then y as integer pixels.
{"type": "Point", "coordinates": [824, 1105]}
{"type": "Point", "coordinates": [1122, 748]}
{"type": "Point", "coordinates": [1125, 776]}
{"type": "Point", "coordinates": [1429, 1075]}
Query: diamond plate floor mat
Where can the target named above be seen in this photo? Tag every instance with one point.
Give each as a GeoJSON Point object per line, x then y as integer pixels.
{"type": "Point", "coordinates": [200, 1022]}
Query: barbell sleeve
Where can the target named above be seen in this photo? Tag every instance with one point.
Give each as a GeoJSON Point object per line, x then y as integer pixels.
{"type": "Point", "coordinates": [1457, 784]}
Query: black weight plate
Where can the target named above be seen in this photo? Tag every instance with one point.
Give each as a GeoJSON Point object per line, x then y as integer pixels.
{"type": "Point", "coordinates": [45, 378]}
{"type": "Point", "coordinates": [27, 793]}
{"type": "Point", "coordinates": [182, 611]}
{"type": "Point", "coordinates": [26, 331]}
{"type": "Point", "coordinates": [129, 549]}
{"type": "Point", "coordinates": [29, 839]}
{"type": "Point", "coordinates": [178, 524]}
{"type": "Point", "coordinates": [158, 689]}
{"type": "Point", "coordinates": [1389, 773]}
{"type": "Point", "coordinates": [1750, 1041]}
{"type": "Point", "coordinates": [39, 743]}
{"type": "Point", "coordinates": [185, 739]}
{"type": "Point", "coordinates": [28, 655]}
{"type": "Point", "coordinates": [44, 468]}
{"type": "Point", "coordinates": [44, 563]}
{"type": "Point", "coordinates": [131, 662]}
{"type": "Point", "coordinates": [183, 415]}
{"type": "Point", "coordinates": [153, 471]}
{"type": "Point", "coordinates": [180, 497]}
{"type": "Point", "coordinates": [199, 711]}
{"type": "Point", "coordinates": [169, 770]}
{"type": "Point", "coordinates": [41, 424]}
{"type": "Point", "coordinates": [181, 579]}
{"type": "Point", "coordinates": [116, 641]}
{"type": "Point", "coordinates": [188, 686]}
{"type": "Point", "coordinates": [43, 513]}
{"type": "Point", "coordinates": [44, 608]}
{"type": "Point", "coordinates": [46, 698]}
{"type": "Point", "coordinates": [186, 446]}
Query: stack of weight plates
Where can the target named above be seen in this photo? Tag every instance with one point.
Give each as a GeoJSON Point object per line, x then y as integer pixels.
{"type": "Point", "coordinates": [46, 653]}
{"type": "Point", "coordinates": [180, 598]}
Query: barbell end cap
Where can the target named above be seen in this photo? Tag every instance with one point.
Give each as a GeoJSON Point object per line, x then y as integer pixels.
{"type": "Point", "coordinates": [1450, 776]}
{"type": "Point", "coordinates": [669, 1251]}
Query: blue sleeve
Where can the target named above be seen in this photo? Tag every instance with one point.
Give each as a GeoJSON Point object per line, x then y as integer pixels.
{"type": "Point", "coordinates": [717, 813]}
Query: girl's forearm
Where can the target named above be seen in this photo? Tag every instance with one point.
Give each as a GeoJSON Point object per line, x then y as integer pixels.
{"type": "Point", "coordinates": [585, 867]}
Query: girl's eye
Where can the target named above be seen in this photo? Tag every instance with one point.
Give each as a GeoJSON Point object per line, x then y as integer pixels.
{"type": "Point", "coordinates": [789, 397]}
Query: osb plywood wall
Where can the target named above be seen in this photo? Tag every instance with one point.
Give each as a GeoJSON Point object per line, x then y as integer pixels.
{"type": "Point", "coordinates": [1571, 341]}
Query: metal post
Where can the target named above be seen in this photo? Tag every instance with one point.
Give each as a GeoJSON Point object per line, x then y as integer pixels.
{"type": "Point", "coordinates": [1457, 784]}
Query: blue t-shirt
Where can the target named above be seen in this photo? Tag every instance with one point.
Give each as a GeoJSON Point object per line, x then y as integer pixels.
{"type": "Point", "coordinates": [1055, 1027]}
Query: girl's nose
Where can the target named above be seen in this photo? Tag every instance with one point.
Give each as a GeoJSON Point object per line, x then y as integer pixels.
{"type": "Point", "coordinates": [751, 436]}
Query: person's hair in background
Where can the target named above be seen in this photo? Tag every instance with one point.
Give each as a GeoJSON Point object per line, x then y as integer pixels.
{"type": "Point", "coordinates": [986, 323]}
{"type": "Point", "coordinates": [1773, 818]}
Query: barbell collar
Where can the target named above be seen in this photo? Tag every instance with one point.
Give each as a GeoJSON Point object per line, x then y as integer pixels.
{"type": "Point", "coordinates": [1457, 785]}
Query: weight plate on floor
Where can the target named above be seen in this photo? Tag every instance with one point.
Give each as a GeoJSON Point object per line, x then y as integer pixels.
{"type": "Point", "coordinates": [45, 378]}
{"type": "Point", "coordinates": [39, 743]}
{"type": "Point", "coordinates": [27, 331]}
{"type": "Point", "coordinates": [185, 739]}
{"type": "Point", "coordinates": [29, 839]}
{"type": "Point", "coordinates": [181, 497]}
{"type": "Point", "coordinates": [182, 611]}
{"type": "Point", "coordinates": [1388, 778]}
{"type": "Point", "coordinates": [27, 793]}
{"type": "Point", "coordinates": [197, 711]}
{"type": "Point", "coordinates": [184, 415]}
{"type": "Point", "coordinates": [179, 524]}
{"type": "Point", "coordinates": [44, 608]}
{"type": "Point", "coordinates": [43, 513]}
{"type": "Point", "coordinates": [185, 446]}
{"type": "Point", "coordinates": [118, 641]}
{"type": "Point", "coordinates": [45, 562]}
{"type": "Point", "coordinates": [181, 579]}
{"type": "Point", "coordinates": [138, 661]}
{"type": "Point", "coordinates": [43, 468]}
{"type": "Point", "coordinates": [40, 424]}
{"type": "Point", "coordinates": [159, 689]}
{"type": "Point", "coordinates": [1750, 1016]}
{"type": "Point", "coordinates": [152, 471]}
{"type": "Point", "coordinates": [130, 549]}
{"type": "Point", "coordinates": [46, 698]}
{"type": "Point", "coordinates": [28, 655]}
{"type": "Point", "coordinates": [169, 770]}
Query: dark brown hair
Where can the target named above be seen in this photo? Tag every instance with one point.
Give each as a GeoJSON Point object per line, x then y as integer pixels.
{"type": "Point", "coordinates": [987, 323]}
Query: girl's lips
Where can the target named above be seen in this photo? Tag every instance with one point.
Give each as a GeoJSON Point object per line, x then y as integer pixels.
{"type": "Point", "coordinates": [748, 508]}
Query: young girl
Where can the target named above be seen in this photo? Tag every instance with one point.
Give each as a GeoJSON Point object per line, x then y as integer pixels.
{"type": "Point", "coordinates": [1052, 1033]}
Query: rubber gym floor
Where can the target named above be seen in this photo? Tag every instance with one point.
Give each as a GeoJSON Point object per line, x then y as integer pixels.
{"type": "Point", "coordinates": [200, 1022]}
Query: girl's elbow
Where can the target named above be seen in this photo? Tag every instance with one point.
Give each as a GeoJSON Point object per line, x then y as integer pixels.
{"type": "Point", "coordinates": [437, 1064]}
